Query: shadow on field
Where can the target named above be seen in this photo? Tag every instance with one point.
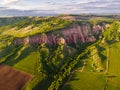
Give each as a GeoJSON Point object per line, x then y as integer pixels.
{"type": "Point", "coordinates": [6, 51]}
{"type": "Point", "coordinates": [101, 49]}
{"type": "Point", "coordinates": [43, 85]}
{"type": "Point", "coordinates": [74, 78]}
{"type": "Point", "coordinates": [111, 87]}
{"type": "Point", "coordinates": [68, 87]}
{"type": "Point", "coordinates": [11, 61]}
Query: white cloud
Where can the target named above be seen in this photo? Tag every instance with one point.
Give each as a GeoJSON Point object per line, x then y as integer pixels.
{"type": "Point", "coordinates": [10, 1]}
{"type": "Point", "coordinates": [61, 6]}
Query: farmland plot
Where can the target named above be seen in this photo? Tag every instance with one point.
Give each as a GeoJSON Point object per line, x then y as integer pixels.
{"type": "Point", "coordinates": [11, 79]}
{"type": "Point", "coordinates": [113, 80]}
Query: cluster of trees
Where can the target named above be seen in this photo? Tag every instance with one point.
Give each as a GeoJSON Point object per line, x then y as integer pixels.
{"type": "Point", "coordinates": [8, 52]}
{"type": "Point", "coordinates": [96, 62]}
{"type": "Point", "coordinates": [112, 32]}
{"type": "Point", "coordinates": [23, 23]}
{"type": "Point", "coordinates": [10, 20]}
{"type": "Point", "coordinates": [101, 20]}
{"type": "Point", "coordinates": [47, 24]}
{"type": "Point", "coordinates": [57, 65]}
{"type": "Point", "coordinates": [7, 49]}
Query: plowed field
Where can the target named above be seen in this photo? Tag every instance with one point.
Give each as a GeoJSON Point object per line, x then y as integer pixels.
{"type": "Point", "coordinates": [11, 79]}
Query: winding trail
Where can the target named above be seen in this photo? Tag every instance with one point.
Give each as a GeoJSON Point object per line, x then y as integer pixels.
{"type": "Point", "coordinates": [107, 63]}
{"type": "Point", "coordinates": [112, 67]}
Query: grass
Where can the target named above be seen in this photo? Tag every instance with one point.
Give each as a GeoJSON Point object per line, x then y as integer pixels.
{"type": "Point", "coordinates": [89, 80]}
{"type": "Point", "coordinates": [114, 67]}
{"type": "Point", "coordinates": [27, 64]}
{"type": "Point", "coordinates": [20, 52]}
{"type": "Point", "coordinates": [33, 27]}
{"type": "Point", "coordinates": [96, 59]}
{"type": "Point", "coordinates": [86, 81]}
{"type": "Point", "coordinates": [26, 59]}
{"type": "Point", "coordinates": [6, 54]}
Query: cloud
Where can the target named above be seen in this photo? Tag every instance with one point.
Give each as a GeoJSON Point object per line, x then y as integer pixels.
{"type": "Point", "coordinates": [36, 7]}
{"type": "Point", "coordinates": [10, 1]}
{"type": "Point", "coordinates": [97, 6]}
{"type": "Point", "coordinates": [16, 12]}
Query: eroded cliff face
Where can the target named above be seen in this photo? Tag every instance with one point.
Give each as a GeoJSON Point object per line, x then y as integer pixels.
{"type": "Point", "coordinates": [73, 34]}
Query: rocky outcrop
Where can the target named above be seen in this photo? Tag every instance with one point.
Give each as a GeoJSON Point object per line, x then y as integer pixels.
{"type": "Point", "coordinates": [73, 34]}
{"type": "Point", "coordinates": [97, 29]}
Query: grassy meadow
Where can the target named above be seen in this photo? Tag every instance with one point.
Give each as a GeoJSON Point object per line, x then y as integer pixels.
{"type": "Point", "coordinates": [106, 80]}
{"type": "Point", "coordinates": [113, 79]}
{"type": "Point", "coordinates": [86, 81]}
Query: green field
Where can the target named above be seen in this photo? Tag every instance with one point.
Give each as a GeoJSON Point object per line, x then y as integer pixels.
{"type": "Point", "coordinates": [87, 77]}
{"type": "Point", "coordinates": [26, 59]}
{"type": "Point", "coordinates": [86, 81]}
{"type": "Point", "coordinates": [114, 67]}
{"type": "Point", "coordinates": [89, 80]}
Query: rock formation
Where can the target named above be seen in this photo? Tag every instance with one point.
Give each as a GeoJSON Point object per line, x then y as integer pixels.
{"type": "Point", "coordinates": [73, 34]}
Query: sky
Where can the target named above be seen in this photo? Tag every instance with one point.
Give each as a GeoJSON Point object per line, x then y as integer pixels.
{"type": "Point", "coordinates": [53, 7]}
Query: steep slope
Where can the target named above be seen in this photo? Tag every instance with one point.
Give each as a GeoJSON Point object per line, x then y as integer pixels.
{"type": "Point", "coordinates": [73, 34]}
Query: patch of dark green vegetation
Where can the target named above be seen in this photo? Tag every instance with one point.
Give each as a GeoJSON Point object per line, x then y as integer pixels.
{"type": "Point", "coordinates": [10, 20]}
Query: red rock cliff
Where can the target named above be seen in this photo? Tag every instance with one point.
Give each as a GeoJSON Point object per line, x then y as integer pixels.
{"type": "Point", "coordinates": [73, 34]}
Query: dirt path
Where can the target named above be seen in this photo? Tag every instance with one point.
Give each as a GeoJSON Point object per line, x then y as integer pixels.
{"type": "Point", "coordinates": [107, 63]}
{"type": "Point", "coordinates": [112, 67]}
{"type": "Point", "coordinates": [68, 79]}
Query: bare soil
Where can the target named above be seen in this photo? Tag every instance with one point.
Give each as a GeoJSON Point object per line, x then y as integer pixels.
{"type": "Point", "coordinates": [11, 79]}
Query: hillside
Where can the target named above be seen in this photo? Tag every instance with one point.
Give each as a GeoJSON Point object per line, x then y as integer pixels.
{"type": "Point", "coordinates": [67, 52]}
